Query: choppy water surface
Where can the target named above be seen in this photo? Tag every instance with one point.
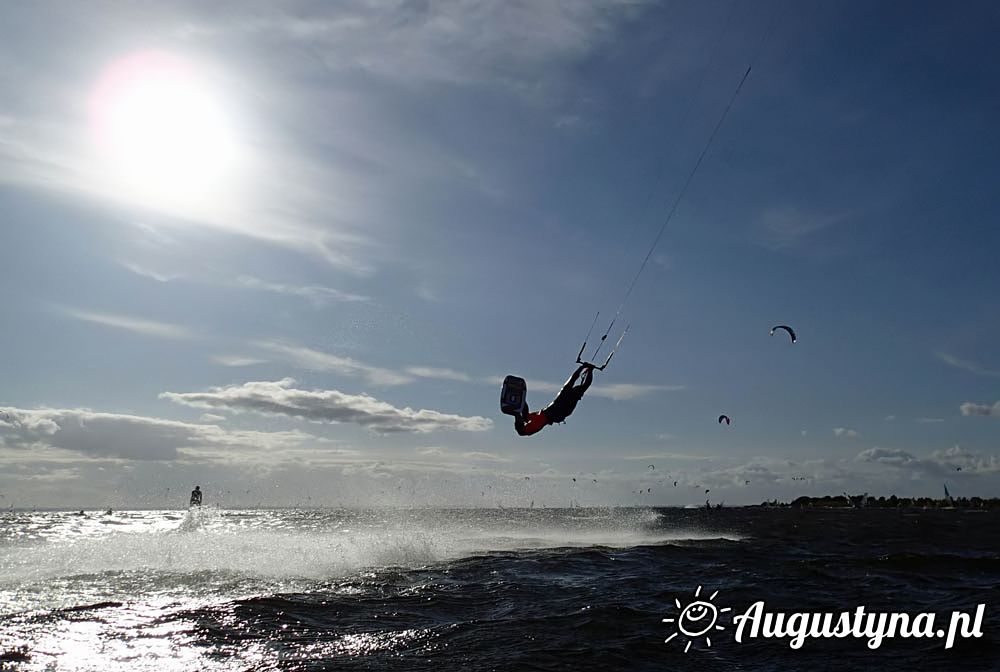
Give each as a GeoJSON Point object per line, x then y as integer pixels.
{"type": "Point", "coordinates": [580, 589]}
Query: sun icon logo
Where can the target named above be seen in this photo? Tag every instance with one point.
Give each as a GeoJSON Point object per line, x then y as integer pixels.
{"type": "Point", "coordinates": [697, 619]}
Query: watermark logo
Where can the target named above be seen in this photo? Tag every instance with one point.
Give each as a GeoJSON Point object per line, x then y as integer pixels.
{"type": "Point", "coordinates": [697, 619]}
{"type": "Point", "coordinates": [873, 626]}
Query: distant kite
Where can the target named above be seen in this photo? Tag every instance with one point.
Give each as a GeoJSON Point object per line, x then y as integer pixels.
{"type": "Point", "coordinates": [791, 333]}
{"type": "Point", "coordinates": [726, 418]}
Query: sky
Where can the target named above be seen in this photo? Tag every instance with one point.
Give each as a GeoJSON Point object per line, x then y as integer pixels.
{"type": "Point", "coordinates": [288, 251]}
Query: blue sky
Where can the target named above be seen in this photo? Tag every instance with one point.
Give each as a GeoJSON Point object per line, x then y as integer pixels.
{"type": "Point", "coordinates": [287, 251]}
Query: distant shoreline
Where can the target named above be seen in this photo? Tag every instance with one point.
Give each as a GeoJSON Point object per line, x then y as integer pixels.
{"type": "Point", "coordinates": [804, 502]}
{"type": "Point", "coordinates": [867, 501]}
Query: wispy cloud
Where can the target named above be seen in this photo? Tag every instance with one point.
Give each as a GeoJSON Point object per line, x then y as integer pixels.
{"type": "Point", "coordinates": [316, 360]}
{"type": "Point", "coordinates": [783, 227]}
{"type": "Point", "coordinates": [133, 324]}
{"type": "Point", "coordinates": [149, 272]}
{"type": "Point", "coordinates": [476, 456]}
{"type": "Point", "coordinates": [424, 291]}
{"type": "Point", "coordinates": [317, 294]}
{"type": "Point", "coordinates": [310, 196]}
{"type": "Point", "coordinates": [308, 358]}
{"type": "Point", "coordinates": [571, 123]}
{"type": "Point", "coordinates": [452, 42]}
{"type": "Point", "coordinates": [666, 455]}
{"type": "Point", "coordinates": [439, 373]}
{"type": "Point", "coordinates": [281, 398]}
{"type": "Point", "coordinates": [623, 391]}
{"type": "Point", "coordinates": [966, 365]}
{"type": "Point", "coordinates": [614, 391]}
{"type": "Point", "coordinates": [760, 471]}
{"type": "Point", "coordinates": [237, 360]}
{"type": "Point", "coordinates": [925, 421]}
{"type": "Point", "coordinates": [845, 432]}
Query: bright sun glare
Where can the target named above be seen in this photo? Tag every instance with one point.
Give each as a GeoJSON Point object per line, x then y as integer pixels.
{"type": "Point", "coordinates": [163, 136]}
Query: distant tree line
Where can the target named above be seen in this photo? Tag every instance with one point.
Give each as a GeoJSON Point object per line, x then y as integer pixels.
{"type": "Point", "coordinates": [893, 502]}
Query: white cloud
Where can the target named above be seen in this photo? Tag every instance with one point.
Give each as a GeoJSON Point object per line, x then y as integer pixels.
{"type": "Point", "coordinates": [957, 458]}
{"type": "Point", "coordinates": [891, 456]}
{"type": "Point", "coordinates": [970, 408]}
{"type": "Point", "coordinates": [280, 398]}
{"type": "Point", "coordinates": [129, 436]}
{"type": "Point", "coordinates": [951, 461]}
{"type": "Point", "coordinates": [133, 324]}
{"type": "Point", "coordinates": [845, 432]}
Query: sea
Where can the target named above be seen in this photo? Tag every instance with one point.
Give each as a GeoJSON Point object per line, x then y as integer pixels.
{"type": "Point", "coordinates": [498, 589]}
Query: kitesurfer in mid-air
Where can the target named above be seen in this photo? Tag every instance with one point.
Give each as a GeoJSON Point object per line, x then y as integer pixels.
{"type": "Point", "coordinates": [528, 423]}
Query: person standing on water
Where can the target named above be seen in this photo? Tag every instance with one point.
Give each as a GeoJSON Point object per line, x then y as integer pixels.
{"type": "Point", "coordinates": [195, 496]}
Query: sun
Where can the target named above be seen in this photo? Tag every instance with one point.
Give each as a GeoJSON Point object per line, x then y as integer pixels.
{"type": "Point", "coordinates": [163, 137]}
{"type": "Point", "coordinates": [697, 619]}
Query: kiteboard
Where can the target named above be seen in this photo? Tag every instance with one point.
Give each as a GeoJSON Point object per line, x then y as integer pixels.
{"type": "Point", "coordinates": [512, 395]}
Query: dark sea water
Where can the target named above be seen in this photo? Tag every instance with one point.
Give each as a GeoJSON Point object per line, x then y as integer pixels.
{"type": "Point", "coordinates": [571, 589]}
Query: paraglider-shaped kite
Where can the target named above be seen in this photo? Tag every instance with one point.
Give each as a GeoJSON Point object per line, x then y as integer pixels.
{"type": "Point", "coordinates": [724, 418]}
{"type": "Point", "coordinates": [791, 333]}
